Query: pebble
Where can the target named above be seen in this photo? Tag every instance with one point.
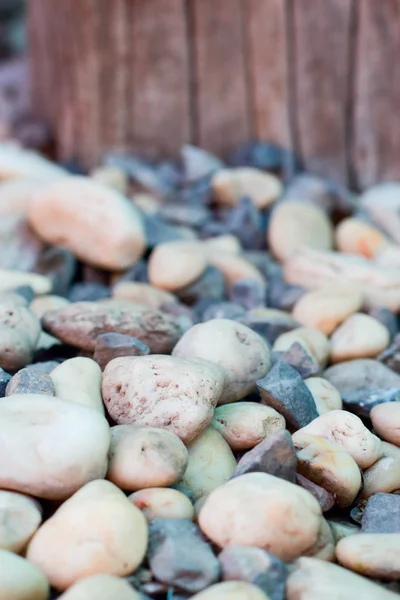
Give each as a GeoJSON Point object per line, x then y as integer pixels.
{"type": "Point", "coordinates": [341, 529]}
{"type": "Point", "coordinates": [391, 355]}
{"type": "Point", "coordinates": [79, 380]}
{"type": "Point", "coordinates": [249, 293]}
{"type": "Point", "coordinates": [355, 236]}
{"type": "Point", "coordinates": [30, 381]}
{"type": "Point", "coordinates": [264, 511]}
{"type": "Point", "coordinates": [60, 266]}
{"type": "Point", "coordinates": [41, 304]}
{"type": "Point", "coordinates": [307, 187]}
{"type": "Point", "coordinates": [381, 514]}
{"type": "Point", "coordinates": [100, 587]}
{"type": "Point", "coordinates": [113, 238]}
{"type": "Point", "coordinates": [80, 323]}
{"type": "Point", "coordinates": [326, 463]}
{"type": "Point", "coordinates": [20, 580]}
{"type": "Point", "coordinates": [298, 357]}
{"type": "Point", "coordinates": [5, 379]}
{"type": "Point", "coordinates": [243, 425]}
{"type": "Point", "coordinates": [241, 354]}
{"type": "Point", "coordinates": [17, 162]}
{"type": "Point", "coordinates": [114, 345]}
{"type": "Point", "coordinates": [326, 308]}
{"type": "Point", "coordinates": [384, 475]}
{"type": "Point", "coordinates": [88, 292]}
{"type": "Point", "coordinates": [256, 566]}
{"type": "Point", "coordinates": [66, 447]}
{"type": "Point", "coordinates": [282, 295]}
{"type": "Point", "coordinates": [325, 499]}
{"type": "Point", "coordinates": [361, 374]}
{"type": "Point", "coordinates": [326, 396]}
{"type": "Point", "coordinates": [162, 503]}
{"type": "Point", "coordinates": [296, 224]}
{"type": "Point", "coordinates": [361, 402]}
{"type": "Point", "coordinates": [177, 264]}
{"type": "Point", "coordinates": [245, 221]}
{"type": "Point", "coordinates": [231, 590]}
{"type": "Point", "coordinates": [210, 284]}
{"type": "Point", "coordinates": [222, 310]}
{"type": "Point", "coordinates": [284, 390]}
{"type": "Point", "coordinates": [360, 336]}
{"type": "Point", "coordinates": [234, 268]}
{"type": "Point", "coordinates": [230, 185]}
{"type": "Point", "coordinates": [111, 176]}
{"type": "Point", "coordinates": [381, 202]}
{"type": "Point", "coordinates": [211, 463]}
{"type": "Point", "coordinates": [386, 421]}
{"type": "Point", "coordinates": [143, 293]}
{"type": "Point", "coordinates": [19, 333]}
{"type": "Point", "coordinates": [20, 248]}
{"type": "Point", "coordinates": [275, 455]}
{"type": "Point", "coordinates": [226, 243]}
{"type": "Point", "coordinates": [314, 342]}
{"type": "Point", "coordinates": [10, 279]}
{"type": "Point", "coordinates": [179, 556]}
{"type": "Point", "coordinates": [374, 555]}
{"type": "Point", "coordinates": [198, 163]}
{"type": "Point", "coordinates": [262, 155]}
{"type": "Point", "coordinates": [324, 546]}
{"type": "Point", "coordinates": [269, 323]}
{"type": "Point", "coordinates": [20, 517]}
{"type": "Point", "coordinates": [145, 457]}
{"type": "Point", "coordinates": [97, 530]}
{"type": "Point", "coordinates": [16, 194]}
{"type": "Point", "coordinates": [177, 394]}
{"type": "Point", "coordinates": [313, 579]}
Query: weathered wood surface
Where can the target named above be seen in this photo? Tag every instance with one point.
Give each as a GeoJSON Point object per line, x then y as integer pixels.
{"type": "Point", "coordinates": [322, 78]}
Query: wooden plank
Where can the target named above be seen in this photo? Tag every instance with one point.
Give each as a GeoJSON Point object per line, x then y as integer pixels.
{"type": "Point", "coordinates": [160, 72]}
{"type": "Point", "coordinates": [376, 148]}
{"type": "Point", "coordinates": [266, 34]}
{"type": "Point", "coordinates": [221, 98]}
{"type": "Point", "coordinates": [322, 63]}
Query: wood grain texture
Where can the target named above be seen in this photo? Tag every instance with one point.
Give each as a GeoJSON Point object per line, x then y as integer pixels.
{"type": "Point", "coordinates": [376, 147]}
{"type": "Point", "coordinates": [160, 77]}
{"type": "Point", "coordinates": [266, 34]}
{"type": "Point", "coordinates": [221, 92]}
{"type": "Point", "coordinates": [321, 57]}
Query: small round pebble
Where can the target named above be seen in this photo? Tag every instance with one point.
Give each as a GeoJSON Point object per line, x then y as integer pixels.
{"type": "Point", "coordinates": [30, 381]}
{"type": "Point", "coordinates": [386, 421]}
{"type": "Point", "coordinates": [20, 517]}
{"type": "Point", "coordinates": [372, 554]}
{"type": "Point", "coordinates": [174, 265]}
{"type": "Point", "coordinates": [41, 304]}
{"type": "Point", "coordinates": [384, 475]}
{"type": "Point", "coordinates": [101, 587]}
{"type": "Point", "coordinates": [360, 336]}
{"type": "Point", "coordinates": [162, 503]}
{"type": "Point", "coordinates": [143, 293]}
{"type": "Point", "coordinates": [230, 185]}
{"type": "Point", "coordinates": [21, 580]}
{"type": "Point", "coordinates": [313, 340]}
{"type": "Point", "coordinates": [325, 395]}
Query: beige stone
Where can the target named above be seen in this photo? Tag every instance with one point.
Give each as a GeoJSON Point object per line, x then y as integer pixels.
{"type": "Point", "coordinates": [111, 176]}
{"type": "Point", "coordinates": [147, 203]}
{"type": "Point", "coordinates": [243, 425]}
{"type": "Point", "coordinates": [42, 304]}
{"type": "Point", "coordinates": [329, 466]}
{"type": "Point", "coordinates": [227, 243]}
{"type": "Point", "coordinates": [162, 503]}
{"type": "Point", "coordinates": [143, 293]}
{"type": "Point", "coordinates": [95, 222]}
{"type": "Point", "coordinates": [177, 394]}
{"type": "Point", "coordinates": [359, 237]}
{"type": "Point", "coordinates": [372, 554]}
{"type": "Point", "coordinates": [314, 579]}
{"type": "Point", "coordinates": [230, 185]}
{"type": "Point", "coordinates": [11, 279]}
{"type": "Point", "coordinates": [231, 590]}
{"type": "Point", "coordinates": [98, 530]}
{"type": "Point", "coordinates": [326, 308]}
{"type": "Point", "coordinates": [49, 447]}
{"type": "Point", "coordinates": [79, 380]}
{"type": "Point", "coordinates": [20, 580]}
{"type": "Point", "coordinates": [314, 341]}
{"type": "Point", "coordinates": [360, 336]}
{"type": "Point", "coordinates": [16, 194]}
{"type": "Point", "coordinates": [211, 463]}
{"type": "Point", "coordinates": [17, 162]}
{"type": "Point", "coordinates": [144, 457]}
{"type": "Point", "coordinates": [234, 267]}
{"type": "Point", "coordinates": [20, 516]}
{"type": "Point", "coordinates": [101, 587]}
{"type": "Point", "coordinates": [347, 430]}
{"type": "Point", "coordinates": [324, 547]}
{"type": "Point", "coordinates": [241, 353]}
{"type": "Point", "coordinates": [386, 421]}
{"type": "Point", "coordinates": [295, 224]}
{"type": "Point", "coordinates": [384, 475]}
{"type": "Point", "coordinates": [325, 395]}
{"type": "Point", "coordinates": [261, 510]}
{"type": "Point", "coordinates": [19, 334]}
{"type": "Point", "coordinates": [388, 256]}
{"type": "Point", "coordinates": [174, 265]}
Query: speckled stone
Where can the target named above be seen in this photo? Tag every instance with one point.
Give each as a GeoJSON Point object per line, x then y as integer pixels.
{"type": "Point", "coordinates": [30, 381]}
{"type": "Point", "coordinates": [381, 514]}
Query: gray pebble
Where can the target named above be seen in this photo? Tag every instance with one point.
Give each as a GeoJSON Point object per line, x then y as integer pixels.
{"type": "Point", "coordinates": [26, 292]}
{"type": "Point", "coordinates": [4, 380]}
{"type": "Point", "coordinates": [47, 366]}
{"type": "Point", "coordinates": [136, 273]}
{"type": "Point", "coordinates": [298, 357]}
{"type": "Point", "coordinates": [274, 455]}
{"type": "Point", "coordinates": [282, 295]}
{"type": "Point", "coordinates": [179, 556]}
{"type": "Point", "coordinates": [198, 163]}
{"type": "Point", "coordinates": [30, 381]}
{"type": "Point", "coordinates": [114, 345]}
{"type": "Point", "coordinates": [385, 316]}
{"type": "Point", "coordinates": [361, 402]}
{"type": "Point", "coordinates": [59, 265]}
{"type": "Point", "coordinates": [88, 292]}
{"type": "Point", "coordinates": [256, 566]}
{"type": "Point", "coordinates": [283, 389]}
{"type": "Point", "coordinates": [211, 285]}
{"type": "Point", "coordinates": [325, 499]}
{"type": "Point", "coordinates": [271, 325]}
{"type": "Point", "coordinates": [223, 310]}
{"type": "Point", "coordinates": [184, 315]}
{"type": "Point", "coordinates": [381, 514]}
{"type": "Point", "coordinates": [361, 374]}
{"type": "Point", "coordinates": [248, 293]}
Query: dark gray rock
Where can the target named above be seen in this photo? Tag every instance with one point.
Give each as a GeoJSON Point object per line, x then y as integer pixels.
{"type": "Point", "coordinates": [179, 556]}
{"type": "Point", "coordinates": [248, 293]}
{"type": "Point", "coordinates": [88, 292]}
{"type": "Point", "coordinates": [381, 514]}
{"type": "Point", "coordinates": [223, 310]}
{"type": "Point", "coordinates": [270, 324]}
{"type": "Point", "coordinates": [114, 345]}
{"type": "Point", "coordinates": [256, 566]}
{"type": "Point", "coordinates": [136, 273]}
{"type": "Point", "coordinates": [60, 266]}
{"type": "Point", "coordinates": [92, 274]}
{"type": "Point", "coordinates": [282, 295]}
{"type": "Point", "coordinates": [361, 402]}
{"type": "Point", "coordinates": [391, 355]}
{"type": "Point", "coordinates": [325, 499]}
{"type": "Point", "coordinates": [158, 231]}
{"type": "Point", "coordinates": [298, 357]}
{"type": "Point", "coordinates": [283, 389]}
{"type": "Point", "coordinates": [30, 381]}
{"type": "Point", "coordinates": [385, 316]}
{"type": "Point", "coordinates": [4, 380]}
{"type": "Point", "coordinates": [210, 285]}
{"type": "Point", "coordinates": [361, 374]}
{"type": "Point", "coordinates": [274, 455]}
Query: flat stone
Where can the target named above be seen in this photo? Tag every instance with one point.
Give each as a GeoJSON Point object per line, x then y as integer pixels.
{"type": "Point", "coordinates": [113, 345]}
{"type": "Point", "coordinates": [211, 284]}
{"type": "Point", "coordinates": [361, 402]}
{"type": "Point", "coordinates": [325, 499]}
{"type": "Point", "coordinates": [257, 566]}
{"type": "Point", "coordinates": [269, 323]}
{"type": "Point", "coordinates": [283, 389]}
{"type": "Point", "coordinates": [30, 381]}
{"type": "Point", "coordinates": [381, 514]}
{"type": "Point", "coordinates": [179, 556]}
{"type": "Point", "coordinates": [249, 293]}
{"type": "Point", "coordinates": [88, 292]}
{"type": "Point", "coordinates": [361, 374]}
{"type": "Point", "coordinates": [298, 357]}
{"type": "Point", "coordinates": [274, 455]}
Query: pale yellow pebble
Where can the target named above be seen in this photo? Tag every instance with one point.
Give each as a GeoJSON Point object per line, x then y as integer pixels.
{"type": "Point", "coordinates": [342, 529]}
{"type": "Point", "coordinates": [42, 304]}
{"type": "Point", "coordinates": [174, 265]}
{"type": "Point", "coordinates": [111, 176]}
{"type": "Point", "coordinates": [313, 340]}
{"type": "Point", "coordinates": [144, 293]}
{"type": "Point", "coordinates": [101, 587]}
{"type": "Point", "coordinates": [231, 590]}
{"type": "Point", "coordinates": [79, 380]}
{"type": "Point", "coordinates": [230, 185]}
{"type": "Point", "coordinates": [386, 421]}
{"type": "Point", "coordinates": [234, 267]}
{"type": "Point", "coordinates": [371, 554]}
{"type": "Point", "coordinates": [20, 580]}
{"type": "Point", "coordinates": [17, 162]}
{"type": "Point", "coordinates": [324, 547]}
{"type": "Point", "coordinates": [223, 243]}
{"type": "Point", "coordinates": [360, 336]}
{"type": "Point", "coordinates": [16, 194]}
{"type": "Point", "coordinates": [359, 237]}
{"type": "Point", "coordinates": [325, 395]}
{"type": "Point", "coordinates": [20, 516]}
{"type": "Point", "coordinates": [11, 279]}
{"type": "Point", "coordinates": [164, 503]}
